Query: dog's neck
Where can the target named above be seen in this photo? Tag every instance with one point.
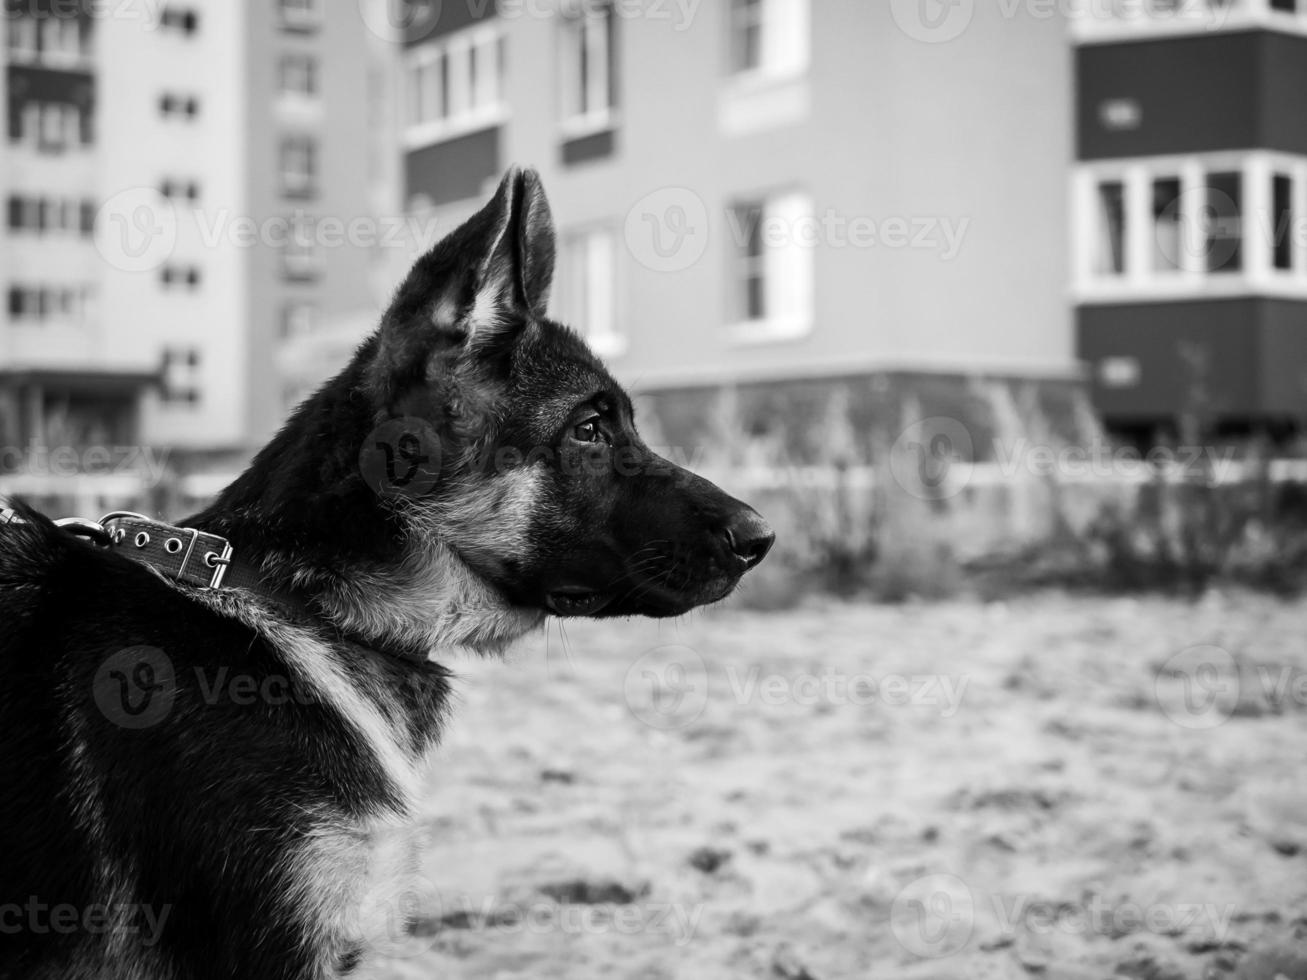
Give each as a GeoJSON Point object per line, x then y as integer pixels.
{"type": "Point", "coordinates": [305, 518]}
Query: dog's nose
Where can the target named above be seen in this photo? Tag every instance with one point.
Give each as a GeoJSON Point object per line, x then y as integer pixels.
{"type": "Point", "coordinates": [750, 537]}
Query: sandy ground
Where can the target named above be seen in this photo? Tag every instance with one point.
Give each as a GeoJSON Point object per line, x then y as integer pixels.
{"type": "Point", "coordinates": [1057, 787]}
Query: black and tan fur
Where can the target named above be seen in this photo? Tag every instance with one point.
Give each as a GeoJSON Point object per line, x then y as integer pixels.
{"type": "Point", "coordinates": [238, 837]}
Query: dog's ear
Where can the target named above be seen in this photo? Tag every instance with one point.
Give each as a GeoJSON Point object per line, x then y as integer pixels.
{"type": "Point", "coordinates": [482, 284]}
{"type": "Point", "coordinates": [489, 276]}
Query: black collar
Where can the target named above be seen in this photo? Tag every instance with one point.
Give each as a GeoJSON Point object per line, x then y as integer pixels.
{"type": "Point", "coordinates": [196, 558]}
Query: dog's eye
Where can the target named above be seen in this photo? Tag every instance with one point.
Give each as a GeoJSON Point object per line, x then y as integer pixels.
{"type": "Point", "coordinates": [587, 431]}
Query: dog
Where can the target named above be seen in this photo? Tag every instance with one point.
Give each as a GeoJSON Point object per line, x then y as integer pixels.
{"type": "Point", "coordinates": [208, 775]}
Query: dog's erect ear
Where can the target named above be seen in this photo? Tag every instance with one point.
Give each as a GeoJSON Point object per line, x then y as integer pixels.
{"type": "Point", "coordinates": [484, 282]}
{"type": "Point", "coordinates": [493, 273]}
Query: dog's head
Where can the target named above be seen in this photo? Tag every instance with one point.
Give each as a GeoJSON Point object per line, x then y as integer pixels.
{"type": "Point", "coordinates": [544, 487]}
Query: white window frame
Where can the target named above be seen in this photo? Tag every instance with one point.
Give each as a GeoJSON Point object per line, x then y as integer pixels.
{"type": "Point", "coordinates": [300, 14]}
{"type": "Point", "coordinates": [473, 103]}
{"type": "Point", "coordinates": [299, 319]}
{"type": "Point", "coordinates": [591, 286]}
{"type": "Point", "coordinates": [301, 180]}
{"type": "Point", "coordinates": [307, 71]}
{"type": "Point", "coordinates": [1141, 280]}
{"type": "Point", "coordinates": [21, 40]}
{"type": "Point", "coordinates": [301, 258]}
{"type": "Point", "coordinates": [587, 35]}
{"type": "Point", "coordinates": [61, 42]}
{"type": "Point", "coordinates": [1116, 22]}
{"type": "Point", "coordinates": [786, 42]}
{"type": "Point", "coordinates": [789, 268]}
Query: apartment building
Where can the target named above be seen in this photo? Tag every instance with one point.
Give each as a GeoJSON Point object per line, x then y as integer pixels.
{"type": "Point", "coordinates": [1190, 193]}
{"type": "Point", "coordinates": [772, 213]}
{"type": "Point", "coordinates": [167, 173]}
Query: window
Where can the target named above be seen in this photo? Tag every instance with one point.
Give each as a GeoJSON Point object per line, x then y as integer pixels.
{"type": "Point", "coordinates": [589, 70]}
{"type": "Point", "coordinates": [38, 304]}
{"type": "Point", "coordinates": [298, 75]}
{"type": "Point", "coordinates": [61, 39]}
{"type": "Point", "coordinates": [1282, 227]}
{"type": "Point", "coordinates": [300, 257]}
{"type": "Point", "coordinates": [1218, 223]}
{"type": "Point", "coordinates": [181, 376]}
{"type": "Point", "coordinates": [173, 106]}
{"type": "Point", "coordinates": [1110, 258]}
{"type": "Point", "coordinates": [587, 299]}
{"type": "Point", "coordinates": [180, 277]}
{"type": "Point", "coordinates": [51, 127]}
{"type": "Point", "coordinates": [22, 39]}
{"type": "Point", "coordinates": [1168, 225]}
{"type": "Point", "coordinates": [454, 85]}
{"type": "Point", "coordinates": [769, 37]}
{"type": "Point", "coordinates": [299, 166]}
{"type": "Point", "coordinates": [58, 215]}
{"type": "Point", "coordinates": [773, 242]}
{"type": "Point", "coordinates": [1223, 223]}
{"type": "Point", "coordinates": [300, 15]}
{"type": "Point", "coordinates": [180, 190]}
{"type": "Point", "coordinates": [181, 20]}
{"type": "Point", "coordinates": [298, 320]}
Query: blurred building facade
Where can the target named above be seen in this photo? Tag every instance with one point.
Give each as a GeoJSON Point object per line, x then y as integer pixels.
{"type": "Point", "coordinates": [167, 169]}
{"type": "Point", "coordinates": [775, 216]}
{"type": "Point", "coordinates": [1190, 194]}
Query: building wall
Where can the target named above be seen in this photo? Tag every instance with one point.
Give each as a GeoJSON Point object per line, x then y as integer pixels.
{"type": "Point", "coordinates": [139, 64]}
{"type": "Point", "coordinates": [346, 194]}
{"type": "Point", "coordinates": [881, 127]}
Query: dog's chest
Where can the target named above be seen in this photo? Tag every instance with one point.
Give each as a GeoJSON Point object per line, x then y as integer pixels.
{"type": "Point", "coordinates": [359, 886]}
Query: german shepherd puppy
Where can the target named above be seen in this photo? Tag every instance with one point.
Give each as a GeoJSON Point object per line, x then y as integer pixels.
{"type": "Point", "coordinates": [202, 783]}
